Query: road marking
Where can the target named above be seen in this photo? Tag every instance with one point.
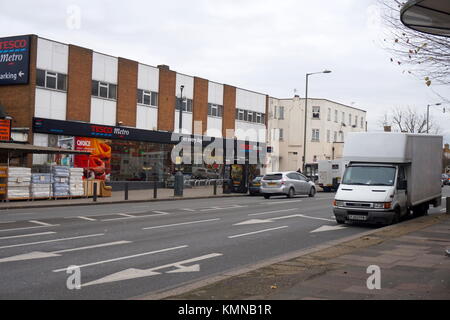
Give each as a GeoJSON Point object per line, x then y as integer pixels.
{"type": "Point", "coordinates": [125, 215]}
{"type": "Point", "coordinates": [133, 273]}
{"type": "Point", "coordinates": [315, 218]}
{"type": "Point", "coordinates": [42, 255]}
{"type": "Point", "coordinates": [255, 221]}
{"type": "Point", "coordinates": [41, 223]}
{"type": "Point", "coordinates": [255, 232]}
{"type": "Point", "coordinates": [328, 228]}
{"type": "Point", "coordinates": [54, 240]}
{"type": "Point", "coordinates": [222, 208]}
{"type": "Point", "coordinates": [28, 235]}
{"type": "Point", "coordinates": [161, 212]}
{"type": "Point", "coordinates": [124, 258]}
{"type": "Point", "coordinates": [282, 202]}
{"type": "Point", "coordinates": [27, 228]}
{"type": "Point", "coordinates": [187, 209]}
{"type": "Point", "coordinates": [269, 212]}
{"type": "Point", "coordinates": [7, 222]}
{"type": "Point", "coordinates": [180, 224]}
{"type": "Point", "coordinates": [87, 218]}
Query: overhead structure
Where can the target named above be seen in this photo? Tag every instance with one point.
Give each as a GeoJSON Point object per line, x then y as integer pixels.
{"type": "Point", "coordinates": [428, 16]}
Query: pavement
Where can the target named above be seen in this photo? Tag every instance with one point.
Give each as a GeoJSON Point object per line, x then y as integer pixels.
{"type": "Point", "coordinates": [119, 197]}
{"type": "Point", "coordinates": [206, 248]}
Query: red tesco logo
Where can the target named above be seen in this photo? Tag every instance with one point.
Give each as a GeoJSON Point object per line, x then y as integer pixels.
{"type": "Point", "coordinates": [13, 44]}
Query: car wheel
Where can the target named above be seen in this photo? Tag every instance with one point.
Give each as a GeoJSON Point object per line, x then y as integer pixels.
{"type": "Point", "coordinates": [291, 193]}
{"type": "Point", "coordinates": [266, 196]}
{"type": "Point", "coordinates": [312, 192]}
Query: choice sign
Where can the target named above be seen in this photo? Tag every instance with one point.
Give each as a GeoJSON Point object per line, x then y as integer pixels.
{"type": "Point", "coordinates": [14, 60]}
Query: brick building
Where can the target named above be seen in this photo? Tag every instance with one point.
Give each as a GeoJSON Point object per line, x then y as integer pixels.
{"type": "Point", "coordinates": [75, 95]}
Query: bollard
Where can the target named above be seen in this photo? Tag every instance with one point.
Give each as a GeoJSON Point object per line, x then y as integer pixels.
{"type": "Point", "coordinates": [94, 198]}
{"type": "Point", "coordinates": [448, 205]}
{"type": "Point", "coordinates": [215, 187]}
{"type": "Point", "coordinates": [126, 191]}
{"type": "Point", "coordinates": [155, 190]}
{"type": "Point", "coordinates": [178, 184]}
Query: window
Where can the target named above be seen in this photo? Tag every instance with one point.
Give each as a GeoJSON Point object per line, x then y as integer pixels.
{"type": "Point", "coordinates": [328, 136]}
{"type": "Point", "coordinates": [249, 116]}
{"type": "Point", "coordinates": [329, 114]}
{"type": "Point", "coordinates": [315, 135]}
{"type": "Point", "coordinates": [342, 136]}
{"type": "Point", "coordinates": [356, 121]}
{"type": "Point", "coordinates": [335, 116]}
{"type": "Point", "coordinates": [186, 103]}
{"type": "Point", "coordinates": [316, 112]}
{"type": "Point", "coordinates": [335, 137]}
{"type": "Point", "coordinates": [104, 90]}
{"type": "Point", "coordinates": [281, 113]}
{"type": "Point", "coordinates": [343, 117]}
{"type": "Point", "coordinates": [241, 115]}
{"type": "Point", "coordinates": [258, 118]}
{"type": "Point", "coordinates": [216, 110]}
{"type": "Point", "coordinates": [146, 97]}
{"type": "Point", "coordinates": [281, 134]}
{"type": "Point", "coordinates": [349, 119]}
{"type": "Point", "coordinates": [51, 80]}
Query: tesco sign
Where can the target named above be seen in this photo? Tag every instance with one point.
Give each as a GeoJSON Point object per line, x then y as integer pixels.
{"type": "Point", "coordinates": [14, 60]}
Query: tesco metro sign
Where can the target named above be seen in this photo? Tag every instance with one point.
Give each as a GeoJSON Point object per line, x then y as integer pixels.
{"type": "Point", "coordinates": [14, 60]}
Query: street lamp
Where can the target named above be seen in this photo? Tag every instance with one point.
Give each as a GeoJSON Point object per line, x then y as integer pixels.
{"type": "Point", "coordinates": [180, 121]}
{"type": "Point", "coordinates": [306, 115]}
{"type": "Point", "coordinates": [428, 114]}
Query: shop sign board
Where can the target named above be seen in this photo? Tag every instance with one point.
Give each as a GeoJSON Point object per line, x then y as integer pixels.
{"type": "Point", "coordinates": [14, 60]}
{"type": "Point", "coordinates": [5, 130]}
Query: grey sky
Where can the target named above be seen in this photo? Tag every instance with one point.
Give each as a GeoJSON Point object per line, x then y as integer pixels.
{"type": "Point", "coordinates": [261, 45]}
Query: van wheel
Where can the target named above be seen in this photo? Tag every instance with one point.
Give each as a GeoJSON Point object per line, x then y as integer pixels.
{"type": "Point", "coordinates": [396, 218]}
{"type": "Point", "coordinates": [340, 221]}
{"type": "Point", "coordinates": [312, 192]}
{"type": "Point", "coordinates": [266, 196]}
{"type": "Point", "coordinates": [291, 193]}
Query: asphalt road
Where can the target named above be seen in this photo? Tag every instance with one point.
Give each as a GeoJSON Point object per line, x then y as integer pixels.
{"type": "Point", "coordinates": [129, 250]}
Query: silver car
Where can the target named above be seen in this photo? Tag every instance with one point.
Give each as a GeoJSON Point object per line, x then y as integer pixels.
{"type": "Point", "coordinates": [287, 183]}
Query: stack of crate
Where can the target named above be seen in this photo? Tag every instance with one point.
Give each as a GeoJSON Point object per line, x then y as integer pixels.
{"type": "Point", "coordinates": [60, 181]}
{"type": "Point", "coordinates": [19, 182]}
{"type": "Point", "coordinates": [41, 185]}
{"type": "Point", "coordinates": [76, 182]}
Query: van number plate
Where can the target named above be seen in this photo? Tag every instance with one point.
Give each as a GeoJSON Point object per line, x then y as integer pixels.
{"type": "Point", "coordinates": [358, 218]}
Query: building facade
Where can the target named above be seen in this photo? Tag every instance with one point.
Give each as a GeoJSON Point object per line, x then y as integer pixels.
{"type": "Point", "coordinates": [327, 124]}
{"type": "Point", "coordinates": [124, 111]}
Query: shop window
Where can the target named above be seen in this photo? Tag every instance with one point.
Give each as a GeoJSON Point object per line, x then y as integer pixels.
{"type": "Point", "coordinates": [51, 80]}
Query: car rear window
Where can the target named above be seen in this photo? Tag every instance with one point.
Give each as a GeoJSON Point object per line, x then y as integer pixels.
{"type": "Point", "coordinates": [273, 177]}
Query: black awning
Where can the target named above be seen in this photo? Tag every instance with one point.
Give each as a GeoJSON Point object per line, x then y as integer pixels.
{"type": "Point", "coordinates": [29, 148]}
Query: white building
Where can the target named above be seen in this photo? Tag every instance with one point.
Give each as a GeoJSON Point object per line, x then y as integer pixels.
{"type": "Point", "coordinates": [327, 124]}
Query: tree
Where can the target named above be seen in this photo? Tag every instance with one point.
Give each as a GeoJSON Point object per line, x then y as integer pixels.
{"type": "Point", "coordinates": [427, 56]}
{"type": "Point", "coordinates": [408, 120]}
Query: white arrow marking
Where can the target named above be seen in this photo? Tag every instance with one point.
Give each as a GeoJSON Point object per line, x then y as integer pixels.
{"type": "Point", "coordinates": [328, 228]}
{"type": "Point", "coordinates": [252, 221]}
{"type": "Point", "coordinates": [21, 74]}
{"type": "Point", "coordinates": [124, 258]}
{"type": "Point", "coordinates": [133, 273]}
{"type": "Point", "coordinates": [42, 255]}
{"type": "Point", "coordinates": [181, 269]}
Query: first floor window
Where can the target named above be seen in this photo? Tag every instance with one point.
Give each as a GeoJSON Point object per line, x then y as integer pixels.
{"type": "Point", "coordinates": [316, 112]}
{"type": "Point", "coordinates": [51, 80]}
{"type": "Point", "coordinates": [104, 90]}
{"type": "Point", "coordinates": [328, 136]}
{"type": "Point", "coordinates": [281, 134]}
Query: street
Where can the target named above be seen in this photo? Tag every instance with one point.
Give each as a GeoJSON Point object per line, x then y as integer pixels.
{"type": "Point", "coordinates": [128, 250]}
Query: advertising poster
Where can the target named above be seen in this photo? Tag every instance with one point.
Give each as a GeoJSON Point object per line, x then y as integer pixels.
{"type": "Point", "coordinates": [14, 60]}
{"type": "Point", "coordinates": [5, 130]}
{"type": "Point", "coordinates": [97, 165]}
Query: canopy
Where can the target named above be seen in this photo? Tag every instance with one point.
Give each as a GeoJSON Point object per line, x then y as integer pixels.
{"type": "Point", "coordinates": [29, 148]}
{"type": "Point", "coordinates": [428, 16]}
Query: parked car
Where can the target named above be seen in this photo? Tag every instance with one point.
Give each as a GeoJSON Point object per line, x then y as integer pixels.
{"type": "Point", "coordinates": [254, 186]}
{"type": "Point", "coordinates": [445, 178]}
{"type": "Point", "coordinates": [287, 183]}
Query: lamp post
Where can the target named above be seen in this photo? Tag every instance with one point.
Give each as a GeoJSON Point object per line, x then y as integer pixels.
{"type": "Point", "coordinates": [180, 121]}
{"type": "Point", "coordinates": [306, 117]}
{"type": "Point", "coordinates": [428, 114]}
